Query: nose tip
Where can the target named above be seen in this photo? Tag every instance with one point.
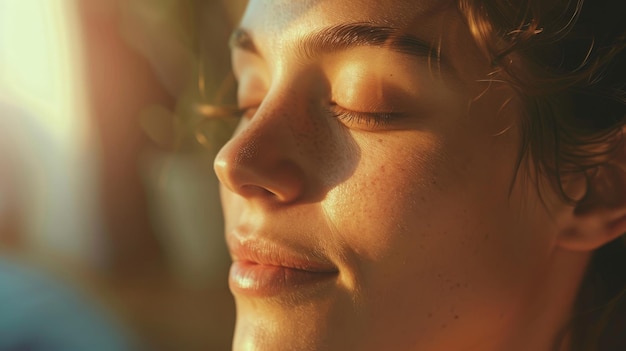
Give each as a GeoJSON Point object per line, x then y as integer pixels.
{"type": "Point", "coordinates": [259, 169]}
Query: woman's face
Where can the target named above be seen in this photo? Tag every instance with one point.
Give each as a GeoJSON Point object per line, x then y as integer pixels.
{"type": "Point", "coordinates": [367, 189]}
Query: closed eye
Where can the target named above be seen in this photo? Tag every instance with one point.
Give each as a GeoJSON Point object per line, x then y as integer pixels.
{"type": "Point", "coordinates": [363, 120]}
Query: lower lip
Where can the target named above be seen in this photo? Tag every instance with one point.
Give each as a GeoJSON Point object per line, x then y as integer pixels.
{"type": "Point", "coordinates": [253, 279]}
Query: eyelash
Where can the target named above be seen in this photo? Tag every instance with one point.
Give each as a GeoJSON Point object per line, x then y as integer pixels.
{"type": "Point", "coordinates": [349, 117]}
{"type": "Point", "coordinates": [366, 119]}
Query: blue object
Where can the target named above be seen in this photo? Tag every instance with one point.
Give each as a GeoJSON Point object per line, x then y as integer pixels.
{"type": "Point", "coordinates": [38, 313]}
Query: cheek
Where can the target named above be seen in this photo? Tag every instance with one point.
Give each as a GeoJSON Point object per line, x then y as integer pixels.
{"type": "Point", "coordinates": [378, 204]}
{"type": "Point", "coordinates": [434, 233]}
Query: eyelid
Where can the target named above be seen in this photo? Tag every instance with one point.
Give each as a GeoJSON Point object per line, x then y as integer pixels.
{"type": "Point", "coordinates": [367, 120]}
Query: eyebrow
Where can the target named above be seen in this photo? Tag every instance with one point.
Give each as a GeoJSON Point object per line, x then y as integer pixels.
{"type": "Point", "coordinates": [347, 36]}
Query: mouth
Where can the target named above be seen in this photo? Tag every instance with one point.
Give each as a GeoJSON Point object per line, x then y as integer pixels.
{"type": "Point", "coordinates": [262, 268]}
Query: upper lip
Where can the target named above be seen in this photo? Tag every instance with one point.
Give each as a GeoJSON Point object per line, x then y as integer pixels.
{"type": "Point", "coordinates": [264, 252]}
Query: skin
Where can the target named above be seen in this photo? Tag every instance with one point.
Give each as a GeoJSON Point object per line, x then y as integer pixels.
{"type": "Point", "coordinates": [433, 248]}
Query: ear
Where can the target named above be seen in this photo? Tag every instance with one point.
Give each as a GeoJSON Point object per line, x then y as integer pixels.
{"type": "Point", "coordinates": [600, 216]}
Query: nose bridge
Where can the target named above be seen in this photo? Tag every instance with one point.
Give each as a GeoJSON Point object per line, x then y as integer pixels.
{"type": "Point", "coordinates": [266, 137]}
{"type": "Point", "coordinates": [277, 128]}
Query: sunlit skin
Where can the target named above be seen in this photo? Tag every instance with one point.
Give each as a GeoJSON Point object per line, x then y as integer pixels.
{"type": "Point", "coordinates": [396, 169]}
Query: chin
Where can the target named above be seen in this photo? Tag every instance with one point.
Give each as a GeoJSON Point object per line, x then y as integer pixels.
{"type": "Point", "coordinates": [312, 321]}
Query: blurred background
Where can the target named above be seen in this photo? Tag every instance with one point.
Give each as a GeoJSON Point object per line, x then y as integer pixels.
{"type": "Point", "coordinates": [111, 112]}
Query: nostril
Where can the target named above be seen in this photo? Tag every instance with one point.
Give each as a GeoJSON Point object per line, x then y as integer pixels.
{"type": "Point", "coordinates": [251, 190]}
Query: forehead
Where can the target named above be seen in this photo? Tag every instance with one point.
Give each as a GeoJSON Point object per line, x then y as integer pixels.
{"type": "Point", "coordinates": [297, 17]}
{"type": "Point", "coordinates": [276, 25]}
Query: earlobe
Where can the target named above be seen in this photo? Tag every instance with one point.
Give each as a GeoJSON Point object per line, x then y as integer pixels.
{"type": "Point", "coordinates": [600, 216]}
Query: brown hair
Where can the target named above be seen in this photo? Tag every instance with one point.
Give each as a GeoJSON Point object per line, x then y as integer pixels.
{"type": "Point", "coordinates": [567, 62]}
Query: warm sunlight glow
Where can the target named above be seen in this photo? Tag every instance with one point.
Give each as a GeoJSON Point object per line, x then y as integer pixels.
{"type": "Point", "coordinates": [42, 81]}
{"type": "Point", "coordinates": [39, 63]}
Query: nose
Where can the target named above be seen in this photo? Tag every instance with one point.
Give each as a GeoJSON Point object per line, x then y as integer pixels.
{"type": "Point", "coordinates": [262, 161]}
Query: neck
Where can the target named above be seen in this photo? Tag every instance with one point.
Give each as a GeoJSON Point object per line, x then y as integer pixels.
{"type": "Point", "coordinates": [547, 309]}
{"type": "Point", "coordinates": [546, 323]}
